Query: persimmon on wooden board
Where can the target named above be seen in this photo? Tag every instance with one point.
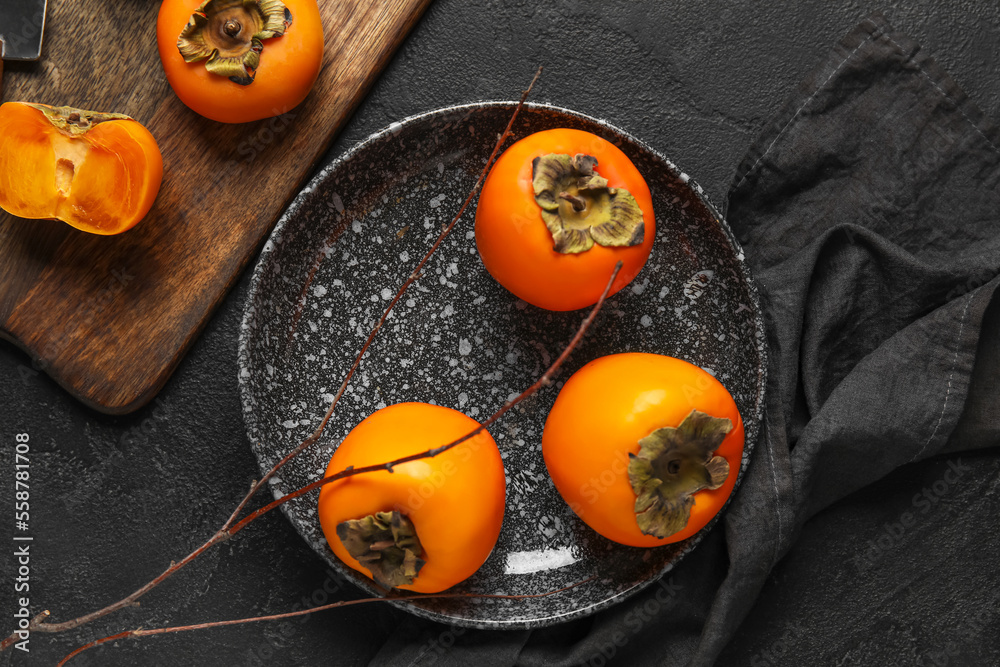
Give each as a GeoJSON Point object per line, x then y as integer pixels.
{"type": "Point", "coordinates": [98, 172]}
{"type": "Point", "coordinates": [236, 62]}
{"type": "Point", "coordinates": [110, 317]}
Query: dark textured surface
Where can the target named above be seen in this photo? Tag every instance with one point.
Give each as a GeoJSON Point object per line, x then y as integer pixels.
{"type": "Point", "coordinates": [115, 499]}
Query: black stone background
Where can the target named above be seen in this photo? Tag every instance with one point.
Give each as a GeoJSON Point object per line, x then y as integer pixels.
{"type": "Point", "coordinates": [114, 499]}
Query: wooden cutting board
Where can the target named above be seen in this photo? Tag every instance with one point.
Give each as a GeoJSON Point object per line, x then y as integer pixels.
{"type": "Point", "coordinates": [109, 318]}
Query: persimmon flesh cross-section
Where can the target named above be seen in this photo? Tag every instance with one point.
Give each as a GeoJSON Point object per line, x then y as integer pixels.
{"type": "Point", "coordinates": [98, 172]}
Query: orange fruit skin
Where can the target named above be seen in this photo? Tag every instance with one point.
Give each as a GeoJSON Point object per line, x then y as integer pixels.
{"type": "Point", "coordinates": [455, 500]}
{"type": "Point", "coordinates": [115, 178]}
{"type": "Point", "coordinates": [515, 245]}
{"type": "Point", "coordinates": [597, 420]}
{"type": "Point", "coordinates": [289, 66]}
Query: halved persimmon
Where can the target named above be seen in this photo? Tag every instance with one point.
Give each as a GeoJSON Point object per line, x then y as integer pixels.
{"type": "Point", "coordinates": [98, 172]}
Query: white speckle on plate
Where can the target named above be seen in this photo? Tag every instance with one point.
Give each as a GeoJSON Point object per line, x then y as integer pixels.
{"type": "Point", "coordinates": [464, 347]}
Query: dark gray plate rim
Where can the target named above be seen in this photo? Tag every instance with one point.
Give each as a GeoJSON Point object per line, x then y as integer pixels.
{"type": "Point", "coordinates": [752, 421]}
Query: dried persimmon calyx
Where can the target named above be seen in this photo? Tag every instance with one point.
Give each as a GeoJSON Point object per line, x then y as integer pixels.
{"type": "Point", "coordinates": [672, 465]}
{"type": "Point", "coordinates": [387, 544]}
{"type": "Point", "coordinates": [74, 122]}
{"type": "Point", "coordinates": [229, 35]}
{"type": "Point", "coordinates": [578, 207]}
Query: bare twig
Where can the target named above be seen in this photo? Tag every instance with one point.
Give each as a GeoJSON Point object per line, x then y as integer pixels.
{"type": "Point", "coordinates": [543, 381]}
{"type": "Point", "coordinates": [412, 278]}
{"type": "Point", "coordinates": [225, 531]}
{"type": "Point", "coordinates": [302, 612]}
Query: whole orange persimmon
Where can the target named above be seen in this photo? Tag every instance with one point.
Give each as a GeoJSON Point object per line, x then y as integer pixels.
{"type": "Point", "coordinates": [99, 172]}
{"type": "Point", "coordinates": [645, 448]}
{"type": "Point", "coordinates": [235, 61]}
{"type": "Point", "coordinates": [558, 210]}
{"type": "Point", "coordinates": [428, 524]}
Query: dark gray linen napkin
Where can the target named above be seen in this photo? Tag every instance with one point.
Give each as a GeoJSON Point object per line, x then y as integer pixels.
{"type": "Point", "coordinates": [870, 213]}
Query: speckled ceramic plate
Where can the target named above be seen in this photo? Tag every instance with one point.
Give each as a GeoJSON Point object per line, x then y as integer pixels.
{"type": "Point", "coordinates": [459, 339]}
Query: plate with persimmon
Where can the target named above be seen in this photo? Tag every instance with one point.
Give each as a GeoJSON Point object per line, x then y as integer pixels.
{"type": "Point", "coordinates": [583, 493]}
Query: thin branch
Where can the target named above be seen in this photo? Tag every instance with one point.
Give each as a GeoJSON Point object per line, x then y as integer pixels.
{"type": "Point", "coordinates": [302, 612]}
{"type": "Point", "coordinates": [33, 625]}
{"type": "Point", "coordinates": [543, 381]}
{"type": "Point", "coordinates": [412, 278]}
{"type": "Point", "coordinates": [224, 532]}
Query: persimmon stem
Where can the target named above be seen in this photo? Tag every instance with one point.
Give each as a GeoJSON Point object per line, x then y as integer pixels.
{"type": "Point", "coordinates": [224, 533]}
{"type": "Point", "coordinates": [577, 202]}
{"type": "Point", "coordinates": [303, 612]}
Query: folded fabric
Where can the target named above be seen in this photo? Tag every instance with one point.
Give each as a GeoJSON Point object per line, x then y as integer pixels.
{"type": "Point", "coordinates": [870, 213]}
{"type": "Point", "coordinates": [868, 210]}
